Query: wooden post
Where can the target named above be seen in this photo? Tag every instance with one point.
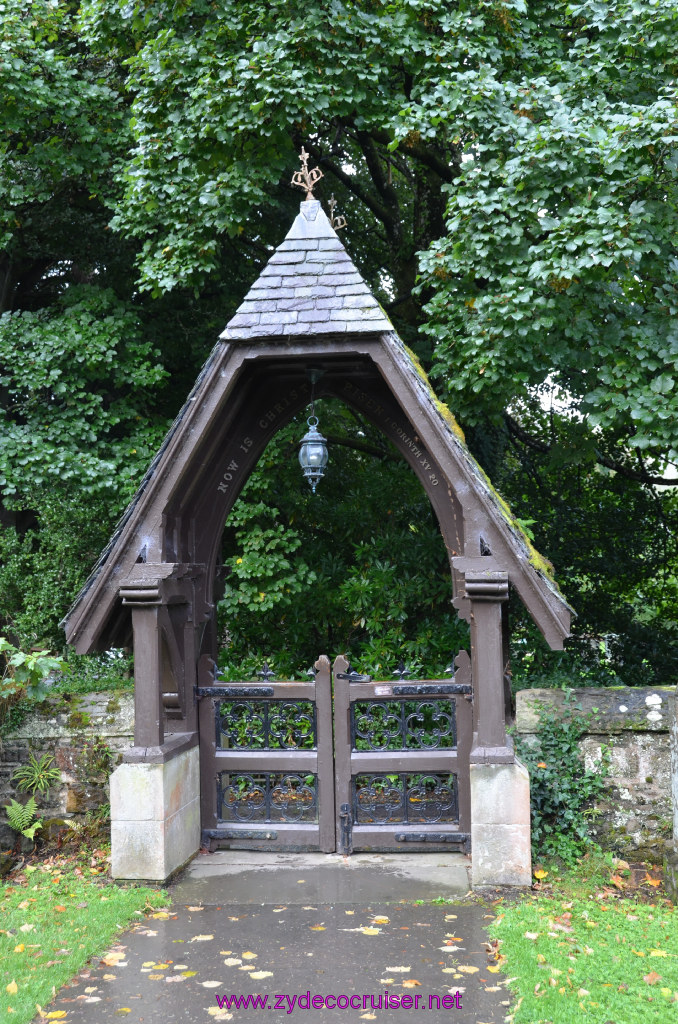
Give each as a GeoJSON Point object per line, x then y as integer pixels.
{"type": "Point", "coordinates": [148, 713]}
{"type": "Point", "coordinates": [486, 592]}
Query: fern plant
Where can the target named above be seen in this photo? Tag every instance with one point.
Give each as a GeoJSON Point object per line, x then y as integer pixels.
{"type": "Point", "coordinates": [37, 776]}
{"type": "Point", "coordinates": [22, 817]}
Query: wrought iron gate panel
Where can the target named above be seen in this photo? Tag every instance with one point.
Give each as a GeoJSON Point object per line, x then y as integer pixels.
{"type": "Point", "coordinates": [401, 763]}
{"type": "Point", "coordinates": [267, 779]}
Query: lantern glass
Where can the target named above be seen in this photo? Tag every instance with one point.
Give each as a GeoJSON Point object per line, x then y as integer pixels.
{"type": "Point", "coordinates": [313, 454]}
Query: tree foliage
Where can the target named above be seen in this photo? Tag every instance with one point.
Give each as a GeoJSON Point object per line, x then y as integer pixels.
{"type": "Point", "coordinates": [508, 172]}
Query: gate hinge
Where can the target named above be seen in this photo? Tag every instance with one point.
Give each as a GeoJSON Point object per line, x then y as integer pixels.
{"type": "Point", "coordinates": [346, 820]}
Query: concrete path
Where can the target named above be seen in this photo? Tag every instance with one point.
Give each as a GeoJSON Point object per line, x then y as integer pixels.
{"type": "Point", "coordinates": [315, 937]}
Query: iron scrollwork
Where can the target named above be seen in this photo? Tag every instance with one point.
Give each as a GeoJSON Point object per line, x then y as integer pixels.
{"type": "Point", "coordinates": [266, 797]}
{"type": "Point", "coordinates": [403, 725]}
{"type": "Point", "coordinates": [405, 797]}
{"type": "Point", "coordinates": [266, 724]}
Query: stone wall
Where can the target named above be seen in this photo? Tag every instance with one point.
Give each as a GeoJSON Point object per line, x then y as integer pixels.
{"type": "Point", "coordinates": [61, 727]}
{"type": "Point", "coordinates": [636, 819]}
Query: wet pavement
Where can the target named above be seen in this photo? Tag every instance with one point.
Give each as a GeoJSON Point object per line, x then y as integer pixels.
{"type": "Point", "coordinates": [292, 930]}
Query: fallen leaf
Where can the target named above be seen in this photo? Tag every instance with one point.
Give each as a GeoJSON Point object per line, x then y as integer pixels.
{"type": "Point", "coordinates": [225, 952]}
{"type": "Point", "coordinates": [160, 916]}
{"type": "Point", "coordinates": [450, 917]}
{"type": "Point", "coordinates": [317, 928]}
{"type": "Point", "coordinates": [540, 873]}
{"type": "Point", "coordinates": [658, 952]}
{"type": "Point", "coordinates": [279, 910]}
{"type": "Point", "coordinates": [532, 935]}
{"type": "Point", "coordinates": [60, 908]}
{"type": "Point", "coordinates": [27, 928]}
{"type": "Point", "coordinates": [195, 910]}
{"type": "Point", "coordinates": [12, 988]}
{"type": "Point", "coordinates": [214, 1011]}
{"type": "Point", "coordinates": [90, 989]}
{"type": "Point", "coordinates": [652, 978]}
{"type": "Point", "coordinates": [233, 961]}
{"type": "Point", "coordinates": [123, 1009]}
{"type": "Point", "coordinates": [368, 1016]}
{"type": "Point", "coordinates": [398, 970]}
{"type": "Point", "coordinates": [246, 967]}
{"type": "Point", "coordinates": [20, 948]}
{"type": "Point", "coordinates": [449, 970]}
{"type": "Point", "coordinates": [386, 981]}
{"type": "Point", "coordinates": [349, 911]}
{"type": "Point", "coordinates": [410, 983]}
{"type": "Point", "coordinates": [56, 1014]}
{"type": "Point", "coordinates": [148, 963]}
{"type": "Point", "coordinates": [156, 977]}
{"type": "Point", "coordinates": [493, 970]}
{"type": "Point", "coordinates": [210, 984]}
{"type": "Point", "coordinates": [109, 977]}
{"type": "Point", "coordinates": [174, 977]}
{"type": "Point", "coordinates": [201, 938]}
{"type": "Point", "coordinates": [188, 974]}
{"type": "Point", "coordinates": [467, 969]}
{"type": "Point", "coordinates": [380, 920]}
{"type": "Point", "coordinates": [261, 974]}
{"type": "Point", "coordinates": [250, 956]}
{"type": "Point", "coordinates": [651, 881]}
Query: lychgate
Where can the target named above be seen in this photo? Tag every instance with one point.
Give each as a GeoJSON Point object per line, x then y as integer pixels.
{"type": "Point", "coordinates": [320, 774]}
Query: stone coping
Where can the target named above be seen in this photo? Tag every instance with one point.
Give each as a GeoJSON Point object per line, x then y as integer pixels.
{"type": "Point", "coordinates": [611, 709]}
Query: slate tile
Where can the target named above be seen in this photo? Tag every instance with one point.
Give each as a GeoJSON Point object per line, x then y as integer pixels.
{"type": "Point", "coordinates": [314, 290]}
{"type": "Point", "coordinates": [287, 257]}
{"type": "Point", "coordinates": [257, 306]}
{"type": "Point", "coordinates": [295, 329]}
{"type": "Point", "coordinates": [314, 315]}
{"type": "Point", "coordinates": [279, 317]}
{"type": "Point", "coordinates": [330, 243]}
{"type": "Point", "coordinates": [244, 320]}
{"type": "Point", "coordinates": [298, 244]}
{"type": "Point", "coordinates": [362, 300]}
{"type": "Point", "coordinates": [342, 280]}
{"type": "Point", "coordinates": [296, 304]}
{"type": "Point", "coordinates": [357, 288]}
{"type": "Point", "coordinates": [268, 281]}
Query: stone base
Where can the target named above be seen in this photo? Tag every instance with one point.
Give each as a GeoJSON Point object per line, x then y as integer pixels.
{"type": "Point", "coordinates": [500, 830]}
{"type": "Point", "coordinates": [155, 817]}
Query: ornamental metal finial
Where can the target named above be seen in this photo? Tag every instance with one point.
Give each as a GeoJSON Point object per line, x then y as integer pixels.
{"type": "Point", "coordinates": [305, 178]}
{"type": "Point", "coordinates": [337, 222]}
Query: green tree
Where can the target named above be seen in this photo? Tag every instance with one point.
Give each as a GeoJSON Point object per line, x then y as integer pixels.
{"type": "Point", "coordinates": [520, 158]}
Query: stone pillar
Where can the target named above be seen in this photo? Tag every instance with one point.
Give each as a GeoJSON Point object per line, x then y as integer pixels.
{"type": "Point", "coordinates": [500, 824]}
{"type": "Point", "coordinates": [155, 816]}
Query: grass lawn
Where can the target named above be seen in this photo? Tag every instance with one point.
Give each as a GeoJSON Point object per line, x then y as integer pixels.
{"type": "Point", "coordinates": [54, 916]}
{"type": "Point", "coordinates": [587, 949]}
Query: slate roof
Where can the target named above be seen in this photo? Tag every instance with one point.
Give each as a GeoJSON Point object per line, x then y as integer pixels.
{"type": "Point", "coordinates": [309, 286]}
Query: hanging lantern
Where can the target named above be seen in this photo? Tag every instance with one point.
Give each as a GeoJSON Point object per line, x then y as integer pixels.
{"type": "Point", "coordinates": [313, 454]}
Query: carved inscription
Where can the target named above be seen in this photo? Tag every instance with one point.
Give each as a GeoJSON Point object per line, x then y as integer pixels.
{"type": "Point", "coordinates": [274, 412]}
{"type": "Point", "coordinates": [380, 413]}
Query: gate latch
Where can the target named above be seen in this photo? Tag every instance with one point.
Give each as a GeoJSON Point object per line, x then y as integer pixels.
{"type": "Point", "coordinates": [353, 676]}
{"type": "Point", "coordinates": [346, 820]}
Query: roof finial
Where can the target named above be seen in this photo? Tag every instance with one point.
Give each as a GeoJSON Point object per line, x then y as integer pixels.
{"type": "Point", "coordinates": [305, 178]}
{"type": "Point", "coordinates": [340, 221]}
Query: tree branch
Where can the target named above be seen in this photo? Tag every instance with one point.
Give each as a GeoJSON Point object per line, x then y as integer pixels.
{"type": "Point", "coordinates": [642, 476]}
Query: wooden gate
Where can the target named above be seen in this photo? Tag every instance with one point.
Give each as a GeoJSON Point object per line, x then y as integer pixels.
{"type": "Point", "coordinates": [393, 777]}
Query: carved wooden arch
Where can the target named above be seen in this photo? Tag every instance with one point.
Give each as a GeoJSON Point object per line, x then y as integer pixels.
{"type": "Point", "coordinates": [194, 519]}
